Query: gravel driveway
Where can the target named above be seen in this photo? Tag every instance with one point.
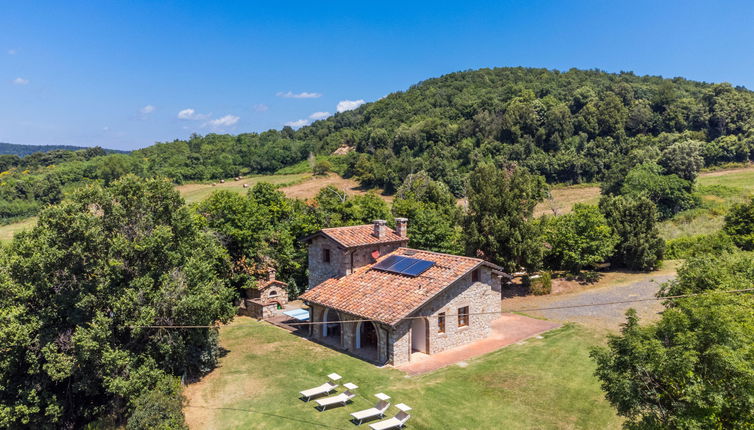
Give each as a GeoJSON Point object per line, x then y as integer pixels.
{"type": "Point", "coordinates": [605, 316]}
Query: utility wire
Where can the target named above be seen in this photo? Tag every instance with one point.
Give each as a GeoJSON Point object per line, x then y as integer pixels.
{"type": "Point", "coordinates": [680, 296]}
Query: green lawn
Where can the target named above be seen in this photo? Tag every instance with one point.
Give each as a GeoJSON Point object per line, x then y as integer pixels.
{"type": "Point", "coordinates": [543, 383]}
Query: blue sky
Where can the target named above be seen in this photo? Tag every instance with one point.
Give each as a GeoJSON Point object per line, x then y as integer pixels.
{"type": "Point", "coordinates": [127, 74]}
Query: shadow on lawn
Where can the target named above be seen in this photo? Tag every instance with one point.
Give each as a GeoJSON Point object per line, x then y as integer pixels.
{"type": "Point", "coordinates": [285, 417]}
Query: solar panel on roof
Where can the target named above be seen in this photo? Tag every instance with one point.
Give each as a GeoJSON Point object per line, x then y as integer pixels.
{"type": "Point", "coordinates": [404, 265]}
{"type": "Point", "coordinates": [384, 264]}
{"type": "Point", "coordinates": [419, 267]}
{"type": "Point", "coordinates": [401, 265]}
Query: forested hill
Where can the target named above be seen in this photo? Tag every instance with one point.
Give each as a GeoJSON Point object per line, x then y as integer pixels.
{"type": "Point", "coordinates": [569, 127]}
{"type": "Point", "coordinates": [24, 150]}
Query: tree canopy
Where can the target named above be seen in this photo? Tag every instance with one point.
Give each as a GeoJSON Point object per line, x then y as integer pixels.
{"type": "Point", "coordinates": [78, 286]}
{"type": "Point", "coordinates": [498, 224]}
{"type": "Point", "coordinates": [694, 368]}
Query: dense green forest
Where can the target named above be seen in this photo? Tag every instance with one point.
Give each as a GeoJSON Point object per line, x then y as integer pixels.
{"type": "Point", "coordinates": [570, 127]}
{"type": "Point", "coordinates": [24, 150]}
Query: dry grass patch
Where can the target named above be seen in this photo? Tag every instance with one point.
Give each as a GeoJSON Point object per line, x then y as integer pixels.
{"type": "Point", "coordinates": [564, 198]}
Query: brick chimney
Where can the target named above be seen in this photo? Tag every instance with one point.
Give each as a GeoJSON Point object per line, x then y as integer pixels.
{"type": "Point", "coordinates": [271, 274]}
{"type": "Point", "coordinates": [401, 225]}
{"type": "Point", "coordinates": [379, 228]}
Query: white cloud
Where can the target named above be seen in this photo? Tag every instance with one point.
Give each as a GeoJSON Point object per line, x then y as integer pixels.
{"type": "Point", "coordinates": [148, 109]}
{"type": "Point", "coordinates": [345, 105]}
{"type": "Point", "coordinates": [20, 81]}
{"type": "Point", "coordinates": [297, 123]}
{"type": "Point", "coordinates": [261, 108]}
{"type": "Point", "coordinates": [191, 114]}
{"type": "Point", "coordinates": [225, 121]}
{"type": "Point", "coordinates": [304, 95]}
{"type": "Point", "coordinates": [319, 115]}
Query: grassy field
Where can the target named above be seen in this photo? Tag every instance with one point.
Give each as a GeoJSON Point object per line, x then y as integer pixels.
{"type": "Point", "coordinates": [718, 191]}
{"type": "Point", "coordinates": [562, 199]}
{"type": "Point", "coordinates": [7, 231]}
{"type": "Point", "coordinates": [545, 383]}
{"type": "Point", "coordinates": [199, 191]}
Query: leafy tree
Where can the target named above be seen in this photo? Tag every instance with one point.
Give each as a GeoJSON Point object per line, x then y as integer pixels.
{"type": "Point", "coordinates": [160, 408]}
{"type": "Point", "coordinates": [692, 369]}
{"type": "Point", "coordinates": [634, 221]}
{"type": "Point", "coordinates": [580, 238]}
{"type": "Point", "coordinates": [321, 167]}
{"type": "Point", "coordinates": [683, 159]}
{"type": "Point", "coordinates": [704, 273]}
{"type": "Point", "coordinates": [79, 285]}
{"type": "Point", "coordinates": [670, 193]}
{"type": "Point", "coordinates": [739, 225]}
{"type": "Point", "coordinates": [434, 217]}
{"type": "Point", "coordinates": [498, 224]}
{"type": "Point", "coordinates": [260, 231]}
{"type": "Point", "coordinates": [336, 208]}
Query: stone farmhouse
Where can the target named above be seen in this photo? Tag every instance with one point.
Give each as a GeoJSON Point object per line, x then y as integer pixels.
{"type": "Point", "coordinates": [415, 301]}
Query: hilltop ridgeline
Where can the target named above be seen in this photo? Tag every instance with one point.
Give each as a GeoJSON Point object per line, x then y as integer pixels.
{"type": "Point", "coordinates": [570, 127]}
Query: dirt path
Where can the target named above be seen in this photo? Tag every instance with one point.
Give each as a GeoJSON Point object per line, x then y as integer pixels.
{"type": "Point", "coordinates": [726, 171]}
{"type": "Point", "coordinates": [608, 317]}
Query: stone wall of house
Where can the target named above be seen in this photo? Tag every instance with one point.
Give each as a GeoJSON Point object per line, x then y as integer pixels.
{"type": "Point", "coordinates": [342, 261]}
{"type": "Point", "coordinates": [347, 341]}
{"type": "Point", "coordinates": [400, 343]}
{"type": "Point", "coordinates": [319, 270]}
{"type": "Point", "coordinates": [482, 296]}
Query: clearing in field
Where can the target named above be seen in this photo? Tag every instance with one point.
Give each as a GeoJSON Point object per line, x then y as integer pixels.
{"type": "Point", "coordinates": [544, 383]}
{"type": "Point", "coordinates": [8, 231]}
{"type": "Point", "coordinates": [562, 199]}
{"type": "Point", "coordinates": [199, 191]}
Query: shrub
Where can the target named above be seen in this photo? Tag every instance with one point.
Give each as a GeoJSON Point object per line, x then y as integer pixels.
{"type": "Point", "coordinates": [693, 246]}
{"type": "Point", "coordinates": [541, 285]}
{"type": "Point", "coordinates": [321, 167]}
{"type": "Point", "coordinates": [739, 224]}
{"type": "Point", "coordinates": [160, 408]}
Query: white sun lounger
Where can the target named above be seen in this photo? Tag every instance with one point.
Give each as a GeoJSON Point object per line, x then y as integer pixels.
{"type": "Point", "coordinates": [322, 389]}
{"type": "Point", "coordinates": [398, 421]}
{"type": "Point", "coordinates": [341, 398]}
{"type": "Point", "coordinates": [378, 411]}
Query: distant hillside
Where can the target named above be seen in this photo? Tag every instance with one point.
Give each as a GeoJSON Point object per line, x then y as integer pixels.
{"type": "Point", "coordinates": [24, 150]}
{"type": "Point", "coordinates": [569, 127]}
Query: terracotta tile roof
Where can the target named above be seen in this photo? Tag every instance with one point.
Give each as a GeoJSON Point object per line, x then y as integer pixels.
{"type": "Point", "coordinates": [359, 235]}
{"type": "Point", "coordinates": [266, 283]}
{"type": "Point", "coordinates": [389, 297]}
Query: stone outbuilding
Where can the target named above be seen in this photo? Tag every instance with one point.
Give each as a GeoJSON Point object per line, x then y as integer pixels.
{"type": "Point", "coordinates": [265, 297]}
{"type": "Point", "coordinates": [337, 252]}
{"type": "Point", "coordinates": [402, 302]}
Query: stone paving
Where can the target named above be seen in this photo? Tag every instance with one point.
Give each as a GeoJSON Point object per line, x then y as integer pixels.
{"type": "Point", "coordinates": [506, 330]}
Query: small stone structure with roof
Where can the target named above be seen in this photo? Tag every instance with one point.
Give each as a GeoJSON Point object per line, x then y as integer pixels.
{"type": "Point", "coordinates": [411, 301]}
{"type": "Point", "coordinates": [265, 297]}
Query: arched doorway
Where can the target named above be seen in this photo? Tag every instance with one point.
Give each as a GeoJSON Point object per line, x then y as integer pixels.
{"type": "Point", "coordinates": [419, 335]}
{"type": "Point", "coordinates": [331, 328]}
{"type": "Point", "coordinates": [367, 341]}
